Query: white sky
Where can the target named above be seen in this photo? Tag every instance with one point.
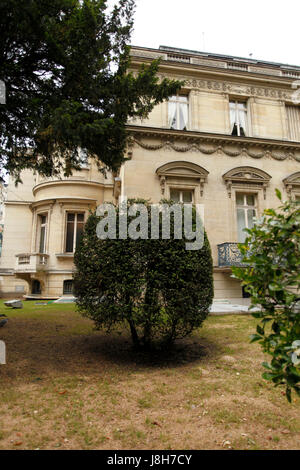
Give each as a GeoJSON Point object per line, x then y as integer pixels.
{"type": "Point", "coordinates": [270, 30]}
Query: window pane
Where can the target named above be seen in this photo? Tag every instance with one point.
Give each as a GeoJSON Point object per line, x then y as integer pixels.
{"type": "Point", "coordinates": [70, 236]}
{"type": "Point", "coordinates": [240, 199]}
{"type": "Point", "coordinates": [251, 215]}
{"type": "Point", "coordinates": [250, 200]}
{"type": "Point", "coordinates": [42, 239]}
{"type": "Point", "coordinates": [175, 195]}
{"type": "Point", "coordinates": [79, 233]}
{"type": "Point", "coordinates": [172, 115]}
{"type": "Point", "coordinates": [71, 217]}
{"type": "Point", "coordinates": [68, 287]}
{"type": "Point", "coordinates": [183, 99]}
{"type": "Point", "coordinates": [80, 217]}
{"type": "Point", "coordinates": [241, 224]}
{"type": "Point", "coordinates": [187, 196]}
{"type": "Point", "coordinates": [183, 116]}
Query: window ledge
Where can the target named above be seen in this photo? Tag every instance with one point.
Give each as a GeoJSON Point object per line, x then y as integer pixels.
{"type": "Point", "coordinates": [64, 255]}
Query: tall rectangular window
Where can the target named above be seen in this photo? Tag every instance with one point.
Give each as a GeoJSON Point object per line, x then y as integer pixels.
{"type": "Point", "coordinates": [74, 230]}
{"type": "Point", "coordinates": [238, 118]}
{"type": "Point", "coordinates": [43, 233]}
{"type": "Point", "coordinates": [246, 209]}
{"type": "Point", "coordinates": [178, 111]}
{"type": "Point", "coordinates": [293, 117]}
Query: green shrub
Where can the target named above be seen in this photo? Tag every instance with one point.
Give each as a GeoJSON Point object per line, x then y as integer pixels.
{"type": "Point", "coordinates": [158, 288]}
{"type": "Point", "coordinates": [272, 277]}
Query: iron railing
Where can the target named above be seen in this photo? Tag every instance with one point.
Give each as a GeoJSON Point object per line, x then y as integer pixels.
{"type": "Point", "coordinates": [229, 255]}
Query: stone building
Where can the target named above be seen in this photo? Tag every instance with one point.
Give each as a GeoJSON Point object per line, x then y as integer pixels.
{"type": "Point", "coordinates": [226, 141]}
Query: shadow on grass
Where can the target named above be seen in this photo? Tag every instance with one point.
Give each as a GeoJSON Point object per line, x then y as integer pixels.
{"type": "Point", "coordinates": [119, 350]}
{"type": "Point", "coordinates": [37, 349]}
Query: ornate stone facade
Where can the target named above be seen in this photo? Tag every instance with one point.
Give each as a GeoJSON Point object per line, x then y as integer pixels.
{"type": "Point", "coordinates": [229, 163]}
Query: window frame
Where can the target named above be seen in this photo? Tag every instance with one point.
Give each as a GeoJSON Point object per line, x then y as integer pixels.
{"type": "Point", "coordinates": [45, 227]}
{"type": "Point", "coordinates": [245, 207]}
{"type": "Point", "coordinates": [175, 99]}
{"type": "Point", "coordinates": [38, 228]}
{"type": "Point", "coordinates": [67, 291]}
{"type": "Point", "coordinates": [245, 103]}
{"type": "Point", "coordinates": [289, 124]}
{"type": "Point", "coordinates": [74, 230]}
{"type": "Point", "coordinates": [182, 190]}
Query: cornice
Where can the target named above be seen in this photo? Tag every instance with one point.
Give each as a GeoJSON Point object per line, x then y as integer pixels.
{"type": "Point", "coordinates": [209, 144]}
{"type": "Point", "coordinates": [179, 70]}
{"type": "Point", "coordinates": [68, 183]}
{"type": "Point", "coordinates": [235, 84]}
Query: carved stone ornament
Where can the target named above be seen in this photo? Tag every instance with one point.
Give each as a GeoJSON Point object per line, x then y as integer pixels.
{"type": "Point", "coordinates": [210, 144]}
{"type": "Point", "coordinates": [232, 87]}
{"type": "Point", "coordinates": [182, 170]}
{"type": "Point", "coordinates": [246, 177]}
{"type": "Point", "coordinates": [292, 183]}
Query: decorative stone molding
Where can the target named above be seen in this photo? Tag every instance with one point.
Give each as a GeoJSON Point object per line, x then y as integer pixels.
{"type": "Point", "coordinates": [209, 144]}
{"type": "Point", "coordinates": [233, 87]}
{"type": "Point", "coordinates": [246, 177]}
{"type": "Point", "coordinates": [292, 183]}
{"type": "Point", "coordinates": [182, 170]}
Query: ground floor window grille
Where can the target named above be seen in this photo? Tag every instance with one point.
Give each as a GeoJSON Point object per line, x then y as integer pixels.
{"type": "Point", "coordinates": [68, 287]}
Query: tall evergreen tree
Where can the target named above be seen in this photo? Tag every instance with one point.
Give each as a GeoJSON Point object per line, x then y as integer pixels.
{"type": "Point", "coordinates": [65, 65]}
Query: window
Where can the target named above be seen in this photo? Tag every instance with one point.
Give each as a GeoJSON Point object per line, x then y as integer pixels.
{"type": "Point", "coordinates": [43, 233]}
{"type": "Point", "coordinates": [74, 230]}
{"type": "Point", "coordinates": [292, 185]}
{"type": "Point", "coordinates": [293, 117]}
{"type": "Point", "coordinates": [83, 158]}
{"type": "Point", "coordinates": [246, 212]}
{"type": "Point", "coordinates": [68, 286]}
{"type": "Point", "coordinates": [238, 118]}
{"type": "Point", "coordinates": [178, 110]}
{"type": "Point", "coordinates": [181, 196]}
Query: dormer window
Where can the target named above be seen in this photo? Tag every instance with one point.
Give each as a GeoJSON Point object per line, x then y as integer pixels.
{"type": "Point", "coordinates": [238, 118]}
{"type": "Point", "coordinates": [178, 112]}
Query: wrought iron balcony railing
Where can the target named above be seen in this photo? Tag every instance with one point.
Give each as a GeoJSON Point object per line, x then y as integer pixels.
{"type": "Point", "coordinates": [229, 255]}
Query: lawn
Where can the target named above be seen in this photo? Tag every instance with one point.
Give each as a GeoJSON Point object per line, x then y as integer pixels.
{"type": "Point", "coordinates": [66, 386]}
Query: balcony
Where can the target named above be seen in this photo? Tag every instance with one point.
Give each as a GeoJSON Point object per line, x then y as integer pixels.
{"type": "Point", "coordinates": [229, 255]}
{"type": "Point", "coordinates": [31, 263]}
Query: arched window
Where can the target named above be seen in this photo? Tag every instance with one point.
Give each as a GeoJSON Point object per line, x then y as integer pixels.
{"type": "Point", "coordinates": [246, 178]}
{"type": "Point", "coordinates": [183, 180]}
{"type": "Point", "coordinates": [292, 185]}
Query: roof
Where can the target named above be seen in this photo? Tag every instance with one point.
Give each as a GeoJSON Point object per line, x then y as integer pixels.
{"type": "Point", "coordinates": [227, 57]}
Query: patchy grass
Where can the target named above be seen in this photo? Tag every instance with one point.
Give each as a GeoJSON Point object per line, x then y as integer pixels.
{"type": "Point", "coordinates": [67, 386]}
